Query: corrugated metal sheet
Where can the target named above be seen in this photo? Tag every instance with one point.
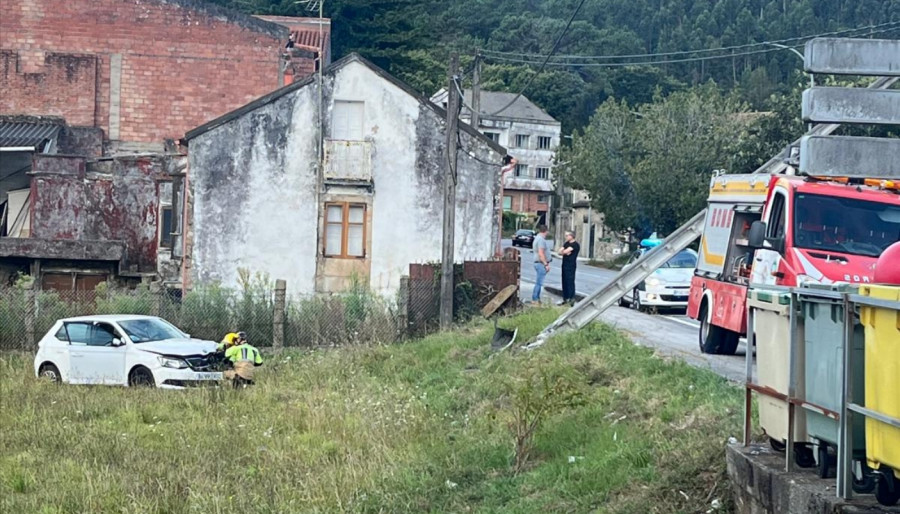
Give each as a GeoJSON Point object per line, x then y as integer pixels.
{"type": "Point", "coordinates": [26, 134]}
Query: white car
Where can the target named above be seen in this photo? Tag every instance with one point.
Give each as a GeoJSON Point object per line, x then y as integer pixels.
{"type": "Point", "coordinates": [125, 350]}
{"type": "Point", "coordinates": [668, 287]}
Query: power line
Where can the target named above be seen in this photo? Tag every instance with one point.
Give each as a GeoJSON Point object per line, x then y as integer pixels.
{"type": "Point", "coordinates": [666, 61]}
{"type": "Point", "coordinates": [690, 52]}
{"type": "Point", "coordinates": [549, 56]}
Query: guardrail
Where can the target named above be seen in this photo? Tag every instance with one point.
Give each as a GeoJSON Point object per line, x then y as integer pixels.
{"type": "Point", "coordinates": [850, 403]}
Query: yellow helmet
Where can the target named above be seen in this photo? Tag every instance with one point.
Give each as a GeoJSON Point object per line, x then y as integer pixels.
{"type": "Point", "coordinates": [230, 338]}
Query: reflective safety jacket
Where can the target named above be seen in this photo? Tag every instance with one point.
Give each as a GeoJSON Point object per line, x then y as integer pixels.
{"type": "Point", "coordinates": [243, 352]}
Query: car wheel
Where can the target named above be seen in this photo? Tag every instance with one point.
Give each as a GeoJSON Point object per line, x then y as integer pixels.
{"type": "Point", "coordinates": [623, 302]}
{"type": "Point", "coordinates": [887, 491]}
{"type": "Point", "coordinates": [636, 301]}
{"type": "Point", "coordinates": [50, 372]}
{"type": "Point", "coordinates": [141, 377]}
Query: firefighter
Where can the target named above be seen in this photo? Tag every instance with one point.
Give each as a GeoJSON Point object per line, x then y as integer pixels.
{"type": "Point", "coordinates": [244, 358]}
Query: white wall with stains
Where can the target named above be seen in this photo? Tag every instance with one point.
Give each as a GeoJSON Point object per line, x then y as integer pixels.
{"type": "Point", "coordinates": [256, 197]}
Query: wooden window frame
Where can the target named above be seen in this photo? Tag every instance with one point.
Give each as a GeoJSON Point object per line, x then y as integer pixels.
{"type": "Point", "coordinates": [345, 230]}
{"type": "Point", "coordinates": [538, 170]}
{"type": "Point", "coordinates": [549, 141]}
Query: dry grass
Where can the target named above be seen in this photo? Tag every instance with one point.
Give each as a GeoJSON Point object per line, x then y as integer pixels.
{"type": "Point", "coordinates": [422, 426]}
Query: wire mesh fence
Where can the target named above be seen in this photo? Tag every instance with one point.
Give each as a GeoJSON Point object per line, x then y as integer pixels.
{"type": "Point", "coordinates": [354, 316]}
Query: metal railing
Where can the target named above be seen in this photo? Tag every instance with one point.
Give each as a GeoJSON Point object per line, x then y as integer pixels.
{"type": "Point", "coordinates": [849, 405]}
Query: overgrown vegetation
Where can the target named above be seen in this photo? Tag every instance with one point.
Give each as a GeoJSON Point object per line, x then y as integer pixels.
{"type": "Point", "coordinates": [209, 311]}
{"type": "Point", "coordinates": [416, 427]}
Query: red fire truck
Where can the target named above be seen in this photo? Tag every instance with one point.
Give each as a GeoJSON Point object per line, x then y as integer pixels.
{"type": "Point", "coordinates": [784, 230]}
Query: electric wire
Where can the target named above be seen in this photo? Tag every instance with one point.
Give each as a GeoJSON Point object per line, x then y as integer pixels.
{"type": "Point", "coordinates": [549, 56]}
{"type": "Point", "coordinates": [667, 61]}
{"type": "Point", "coordinates": [700, 51]}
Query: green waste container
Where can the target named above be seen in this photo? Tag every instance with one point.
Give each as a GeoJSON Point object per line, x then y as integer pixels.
{"type": "Point", "coordinates": [823, 334]}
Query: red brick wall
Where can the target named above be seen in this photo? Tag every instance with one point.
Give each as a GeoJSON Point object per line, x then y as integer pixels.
{"type": "Point", "coordinates": [184, 62]}
{"type": "Point", "coordinates": [527, 201]}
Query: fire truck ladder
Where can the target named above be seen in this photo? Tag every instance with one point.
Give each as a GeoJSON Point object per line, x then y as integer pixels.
{"type": "Point", "coordinates": [592, 306]}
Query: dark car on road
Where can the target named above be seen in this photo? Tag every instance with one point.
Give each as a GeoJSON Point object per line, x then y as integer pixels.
{"type": "Point", "coordinates": [523, 238]}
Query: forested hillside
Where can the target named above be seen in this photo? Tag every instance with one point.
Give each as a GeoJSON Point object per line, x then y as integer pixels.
{"type": "Point", "coordinates": [411, 38]}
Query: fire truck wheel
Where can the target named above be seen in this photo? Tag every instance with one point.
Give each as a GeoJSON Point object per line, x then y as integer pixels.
{"type": "Point", "coordinates": [730, 343]}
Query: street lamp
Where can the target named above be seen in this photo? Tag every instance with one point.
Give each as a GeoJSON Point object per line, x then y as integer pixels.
{"type": "Point", "coordinates": [812, 78]}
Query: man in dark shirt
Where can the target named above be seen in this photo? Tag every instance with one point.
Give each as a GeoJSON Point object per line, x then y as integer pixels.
{"type": "Point", "coordinates": [569, 252]}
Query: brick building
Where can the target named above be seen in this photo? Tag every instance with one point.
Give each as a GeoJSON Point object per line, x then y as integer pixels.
{"type": "Point", "coordinates": [145, 70]}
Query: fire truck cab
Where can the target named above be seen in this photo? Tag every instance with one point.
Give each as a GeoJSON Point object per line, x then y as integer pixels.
{"type": "Point", "coordinates": [784, 230]}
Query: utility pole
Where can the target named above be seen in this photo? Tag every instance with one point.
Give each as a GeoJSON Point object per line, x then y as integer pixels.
{"type": "Point", "coordinates": [476, 92]}
{"type": "Point", "coordinates": [447, 257]}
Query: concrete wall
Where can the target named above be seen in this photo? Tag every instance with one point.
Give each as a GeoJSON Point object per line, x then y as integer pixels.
{"type": "Point", "coordinates": [253, 195]}
{"type": "Point", "coordinates": [257, 201]}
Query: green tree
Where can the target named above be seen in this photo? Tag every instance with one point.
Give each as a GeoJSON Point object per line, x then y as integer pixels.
{"type": "Point", "coordinates": [648, 168]}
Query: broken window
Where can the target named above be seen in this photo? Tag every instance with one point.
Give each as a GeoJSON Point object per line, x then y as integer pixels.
{"type": "Point", "coordinates": [542, 173]}
{"type": "Point", "coordinates": [165, 226]}
{"type": "Point", "coordinates": [345, 230]}
{"type": "Point", "coordinates": [521, 170]}
{"type": "Point", "coordinates": [544, 142]}
{"type": "Point", "coordinates": [521, 140]}
{"type": "Point", "coordinates": [347, 120]}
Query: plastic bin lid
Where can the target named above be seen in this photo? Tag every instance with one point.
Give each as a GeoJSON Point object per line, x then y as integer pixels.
{"type": "Point", "coordinates": [837, 288]}
{"type": "Point", "coordinates": [881, 292]}
{"type": "Point", "coordinates": [770, 296]}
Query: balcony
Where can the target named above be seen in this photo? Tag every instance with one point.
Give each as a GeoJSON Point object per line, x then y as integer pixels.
{"type": "Point", "coordinates": [348, 161]}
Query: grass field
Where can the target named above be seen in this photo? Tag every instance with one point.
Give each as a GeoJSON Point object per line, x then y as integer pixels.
{"type": "Point", "coordinates": [424, 426]}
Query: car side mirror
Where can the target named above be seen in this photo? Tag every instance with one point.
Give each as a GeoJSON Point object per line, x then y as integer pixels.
{"type": "Point", "coordinates": [757, 235]}
{"type": "Point", "coordinates": [117, 342]}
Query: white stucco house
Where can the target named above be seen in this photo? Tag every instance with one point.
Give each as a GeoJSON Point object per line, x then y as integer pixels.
{"type": "Point", "coordinates": [258, 198]}
{"type": "Point", "coordinates": [532, 137]}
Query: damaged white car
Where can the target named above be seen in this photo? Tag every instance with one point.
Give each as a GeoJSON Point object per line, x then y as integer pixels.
{"type": "Point", "coordinates": [125, 350]}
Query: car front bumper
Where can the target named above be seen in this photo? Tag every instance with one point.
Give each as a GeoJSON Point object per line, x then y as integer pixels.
{"type": "Point", "coordinates": [170, 378]}
{"type": "Point", "coordinates": [665, 297]}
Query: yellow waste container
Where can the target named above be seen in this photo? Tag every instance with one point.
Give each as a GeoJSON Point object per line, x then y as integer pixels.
{"type": "Point", "coordinates": [773, 339]}
{"type": "Point", "coordinates": [882, 355]}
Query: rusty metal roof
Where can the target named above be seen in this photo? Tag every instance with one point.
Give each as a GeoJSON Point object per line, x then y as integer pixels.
{"type": "Point", "coordinates": [19, 134]}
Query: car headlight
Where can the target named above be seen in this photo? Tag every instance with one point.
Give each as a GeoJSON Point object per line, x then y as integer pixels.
{"type": "Point", "coordinates": [654, 282]}
{"type": "Point", "coordinates": [171, 362]}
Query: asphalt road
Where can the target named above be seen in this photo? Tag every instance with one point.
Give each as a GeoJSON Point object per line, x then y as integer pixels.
{"type": "Point", "coordinates": [671, 334]}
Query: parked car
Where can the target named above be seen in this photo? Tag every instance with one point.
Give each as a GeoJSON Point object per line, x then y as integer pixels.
{"type": "Point", "coordinates": [523, 238]}
{"type": "Point", "coordinates": [668, 287]}
{"type": "Point", "coordinates": [125, 350]}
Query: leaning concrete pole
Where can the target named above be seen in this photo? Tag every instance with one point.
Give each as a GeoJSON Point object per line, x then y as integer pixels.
{"type": "Point", "coordinates": [450, 177]}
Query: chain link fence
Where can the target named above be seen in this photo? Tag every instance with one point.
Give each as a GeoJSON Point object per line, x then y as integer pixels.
{"type": "Point", "coordinates": [262, 309]}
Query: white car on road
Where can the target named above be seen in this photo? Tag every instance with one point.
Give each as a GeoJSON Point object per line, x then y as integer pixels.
{"type": "Point", "coordinates": [125, 350]}
{"type": "Point", "coordinates": [668, 287]}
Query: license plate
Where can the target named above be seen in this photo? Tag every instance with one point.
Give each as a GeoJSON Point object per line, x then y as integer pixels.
{"type": "Point", "coordinates": [208, 375]}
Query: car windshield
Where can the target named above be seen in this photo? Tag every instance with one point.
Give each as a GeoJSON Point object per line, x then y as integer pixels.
{"type": "Point", "coordinates": [524, 233]}
{"type": "Point", "coordinates": [845, 225]}
{"type": "Point", "coordinates": [685, 259]}
{"type": "Point", "coordinates": [150, 329]}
